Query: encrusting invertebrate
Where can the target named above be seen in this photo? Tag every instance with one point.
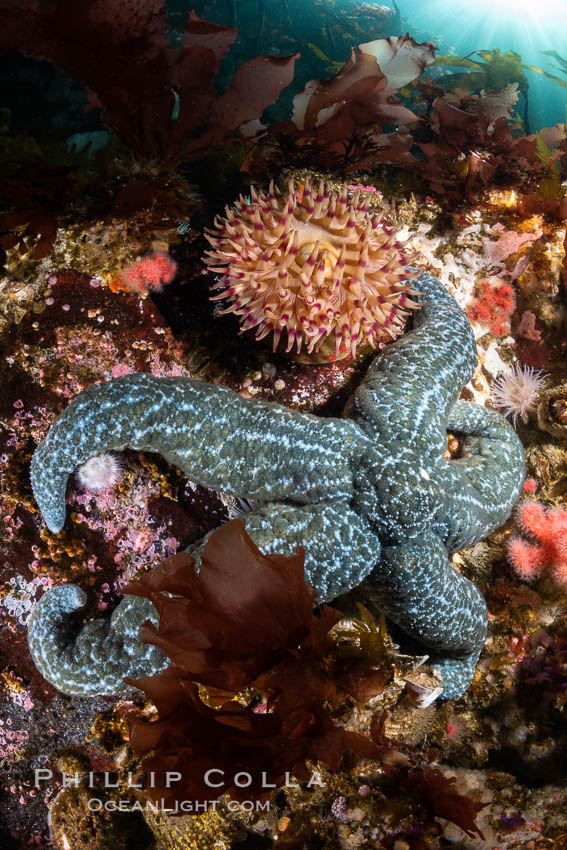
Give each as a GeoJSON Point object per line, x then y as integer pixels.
{"type": "Point", "coordinates": [370, 496]}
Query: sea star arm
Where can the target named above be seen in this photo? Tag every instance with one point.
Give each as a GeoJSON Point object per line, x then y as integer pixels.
{"type": "Point", "coordinates": [337, 486]}
{"type": "Point", "coordinates": [417, 588]}
{"type": "Point", "coordinates": [217, 438]}
{"type": "Point", "coordinates": [412, 385]}
{"type": "Point", "coordinates": [95, 660]}
{"type": "Point", "coordinates": [491, 472]}
{"type": "Point", "coordinates": [327, 531]}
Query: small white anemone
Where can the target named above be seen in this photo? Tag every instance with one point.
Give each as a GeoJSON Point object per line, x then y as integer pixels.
{"type": "Point", "coordinates": [101, 472]}
{"type": "Point", "coordinates": [515, 391]}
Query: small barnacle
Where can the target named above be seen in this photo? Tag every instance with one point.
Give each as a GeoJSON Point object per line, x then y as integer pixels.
{"type": "Point", "coordinates": [362, 638]}
{"type": "Point", "coordinates": [552, 410]}
{"type": "Point", "coordinates": [558, 408]}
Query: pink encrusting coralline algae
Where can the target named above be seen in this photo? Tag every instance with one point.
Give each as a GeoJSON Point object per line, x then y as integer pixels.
{"type": "Point", "coordinates": [508, 242]}
{"type": "Point", "coordinates": [360, 187]}
{"type": "Point", "coordinates": [527, 328]}
{"type": "Point", "coordinates": [547, 550]}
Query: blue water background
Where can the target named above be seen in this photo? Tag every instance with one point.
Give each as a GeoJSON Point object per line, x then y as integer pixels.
{"type": "Point", "coordinates": [456, 26]}
{"type": "Point", "coordinates": [44, 102]}
{"type": "Point", "coordinates": [462, 26]}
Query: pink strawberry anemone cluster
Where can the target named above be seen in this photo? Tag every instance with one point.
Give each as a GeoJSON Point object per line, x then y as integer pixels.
{"type": "Point", "coordinates": [546, 551]}
{"type": "Point", "coordinates": [317, 266]}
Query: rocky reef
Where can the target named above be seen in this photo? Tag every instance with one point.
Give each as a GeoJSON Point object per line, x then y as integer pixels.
{"type": "Point", "coordinates": [78, 332]}
{"type": "Point", "coordinates": [104, 285]}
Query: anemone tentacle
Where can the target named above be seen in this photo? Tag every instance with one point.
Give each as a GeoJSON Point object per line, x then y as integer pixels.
{"type": "Point", "coordinates": [314, 266]}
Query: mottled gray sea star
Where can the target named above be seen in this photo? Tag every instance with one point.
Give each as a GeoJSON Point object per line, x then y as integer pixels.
{"type": "Point", "coordinates": [369, 496]}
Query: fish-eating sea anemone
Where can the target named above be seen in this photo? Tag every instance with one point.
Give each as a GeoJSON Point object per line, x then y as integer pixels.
{"type": "Point", "coordinates": [316, 265]}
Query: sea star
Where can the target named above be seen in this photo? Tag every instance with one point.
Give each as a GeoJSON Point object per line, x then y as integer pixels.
{"type": "Point", "coordinates": [370, 496]}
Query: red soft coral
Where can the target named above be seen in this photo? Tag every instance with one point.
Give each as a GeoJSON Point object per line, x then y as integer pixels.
{"type": "Point", "coordinates": [493, 307]}
{"type": "Point", "coordinates": [526, 558]}
{"type": "Point", "coordinates": [147, 274]}
{"type": "Point", "coordinates": [548, 528]}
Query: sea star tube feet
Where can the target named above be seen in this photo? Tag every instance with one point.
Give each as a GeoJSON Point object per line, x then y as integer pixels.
{"type": "Point", "coordinates": [370, 496]}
